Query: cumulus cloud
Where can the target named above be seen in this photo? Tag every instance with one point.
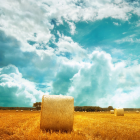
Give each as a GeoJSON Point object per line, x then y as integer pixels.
{"type": "Point", "coordinates": [122, 99]}
{"type": "Point", "coordinates": [15, 90]}
{"type": "Point", "coordinates": [36, 58]}
{"type": "Point", "coordinates": [67, 45]}
{"type": "Point", "coordinates": [31, 20]}
{"type": "Point", "coordinates": [103, 83]}
{"type": "Point", "coordinates": [35, 66]}
{"type": "Point", "coordinates": [95, 80]}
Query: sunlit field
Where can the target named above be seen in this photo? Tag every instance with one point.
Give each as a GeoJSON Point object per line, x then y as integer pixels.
{"type": "Point", "coordinates": [87, 126]}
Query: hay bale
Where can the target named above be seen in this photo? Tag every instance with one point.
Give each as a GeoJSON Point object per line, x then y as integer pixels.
{"type": "Point", "coordinates": [119, 112]}
{"type": "Point", "coordinates": [112, 111]}
{"type": "Point", "coordinates": [31, 110]}
{"type": "Point", "coordinates": [57, 112]}
{"type": "Point", "coordinates": [137, 111]}
{"type": "Point", "coordinates": [21, 110]}
{"type": "Point", "coordinates": [16, 110]}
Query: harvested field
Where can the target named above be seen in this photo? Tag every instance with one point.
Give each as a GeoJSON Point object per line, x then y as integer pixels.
{"type": "Point", "coordinates": [87, 126]}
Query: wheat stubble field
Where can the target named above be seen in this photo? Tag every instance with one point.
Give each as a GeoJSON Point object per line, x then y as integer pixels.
{"type": "Point", "coordinates": [87, 126]}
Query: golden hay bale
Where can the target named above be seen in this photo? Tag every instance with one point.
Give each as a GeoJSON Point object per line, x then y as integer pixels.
{"type": "Point", "coordinates": [57, 112]}
{"type": "Point", "coordinates": [112, 111]}
{"type": "Point", "coordinates": [16, 110]}
{"type": "Point", "coordinates": [119, 112]}
{"type": "Point", "coordinates": [21, 110]}
{"type": "Point", "coordinates": [137, 111]}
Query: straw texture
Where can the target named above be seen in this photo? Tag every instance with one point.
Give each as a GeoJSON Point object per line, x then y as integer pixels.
{"type": "Point", "coordinates": [112, 111]}
{"type": "Point", "coordinates": [57, 112]}
{"type": "Point", "coordinates": [119, 112]}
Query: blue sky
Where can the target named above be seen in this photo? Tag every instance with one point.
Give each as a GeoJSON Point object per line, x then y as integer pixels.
{"type": "Point", "coordinates": [86, 49]}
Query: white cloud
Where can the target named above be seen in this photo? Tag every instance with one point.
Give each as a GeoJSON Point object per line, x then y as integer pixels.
{"type": "Point", "coordinates": [95, 80]}
{"type": "Point", "coordinates": [66, 44]}
{"type": "Point", "coordinates": [117, 24]}
{"type": "Point", "coordinates": [117, 51]}
{"type": "Point", "coordinates": [117, 1]}
{"type": "Point", "coordinates": [19, 89]}
{"type": "Point", "coordinates": [138, 23]}
{"type": "Point", "coordinates": [130, 39]}
{"type": "Point", "coordinates": [102, 83]}
{"type": "Point", "coordinates": [22, 19]}
{"type": "Point", "coordinates": [72, 27]}
{"type": "Point", "coordinates": [122, 99]}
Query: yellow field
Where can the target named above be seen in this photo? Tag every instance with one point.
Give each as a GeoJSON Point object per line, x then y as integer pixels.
{"type": "Point", "coordinates": [87, 126]}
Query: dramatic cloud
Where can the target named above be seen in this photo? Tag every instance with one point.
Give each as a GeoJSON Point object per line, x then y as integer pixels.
{"type": "Point", "coordinates": [86, 49]}
{"type": "Point", "coordinates": [15, 90]}
{"type": "Point", "coordinates": [95, 80]}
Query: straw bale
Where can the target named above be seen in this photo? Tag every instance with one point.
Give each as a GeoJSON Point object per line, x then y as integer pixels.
{"type": "Point", "coordinates": [137, 111]}
{"type": "Point", "coordinates": [16, 110]}
{"type": "Point", "coordinates": [112, 111]}
{"type": "Point", "coordinates": [119, 112]}
{"type": "Point", "coordinates": [21, 110]}
{"type": "Point", "coordinates": [57, 112]}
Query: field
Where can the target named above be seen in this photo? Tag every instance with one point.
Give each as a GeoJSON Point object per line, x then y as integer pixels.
{"type": "Point", "coordinates": [87, 126]}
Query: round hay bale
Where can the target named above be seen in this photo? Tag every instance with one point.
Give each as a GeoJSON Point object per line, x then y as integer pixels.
{"type": "Point", "coordinates": [16, 110]}
{"type": "Point", "coordinates": [119, 112]}
{"type": "Point", "coordinates": [21, 110]}
{"type": "Point", "coordinates": [57, 112]}
{"type": "Point", "coordinates": [31, 110]}
{"type": "Point", "coordinates": [112, 111]}
{"type": "Point", "coordinates": [137, 111]}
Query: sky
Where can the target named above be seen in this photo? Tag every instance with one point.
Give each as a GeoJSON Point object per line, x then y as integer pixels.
{"type": "Point", "coordinates": [89, 50]}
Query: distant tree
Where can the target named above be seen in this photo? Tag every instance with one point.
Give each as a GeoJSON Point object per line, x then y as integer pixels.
{"type": "Point", "coordinates": [110, 108]}
{"type": "Point", "coordinates": [37, 105]}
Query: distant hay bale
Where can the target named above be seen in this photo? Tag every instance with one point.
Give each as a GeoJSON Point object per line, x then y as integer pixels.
{"type": "Point", "coordinates": [119, 112]}
{"type": "Point", "coordinates": [21, 110]}
{"type": "Point", "coordinates": [112, 111]}
{"type": "Point", "coordinates": [16, 110]}
{"type": "Point", "coordinates": [31, 110]}
{"type": "Point", "coordinates": [57, 112]}
{"type": "Point", "coordinates": [137, 111]}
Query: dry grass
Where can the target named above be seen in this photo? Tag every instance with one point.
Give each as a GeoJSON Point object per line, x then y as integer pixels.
{"type": "Point", "coordinates": [87, 126]}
